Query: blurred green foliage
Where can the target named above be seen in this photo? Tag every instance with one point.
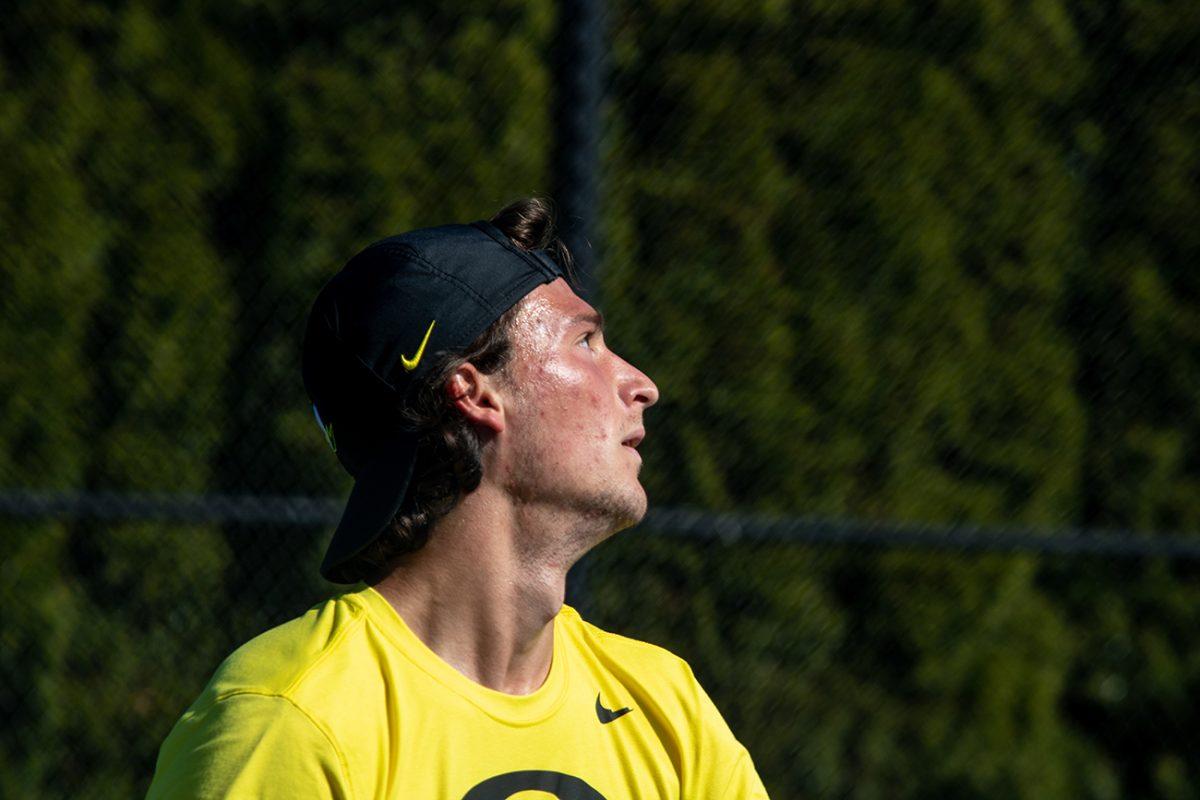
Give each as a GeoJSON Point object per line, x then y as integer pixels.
{"type": "Point", "coordinates": [928, 262]}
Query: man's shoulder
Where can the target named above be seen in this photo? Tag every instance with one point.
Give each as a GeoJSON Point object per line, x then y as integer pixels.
{"type": "Point", "coordinates": [266, 698]}
{"type": "Point", "coordinates": [625, 654]}
{"type": "Point", "coordinates": [279, 661]}
{"type": "Point", "coordinates": [660, 685]}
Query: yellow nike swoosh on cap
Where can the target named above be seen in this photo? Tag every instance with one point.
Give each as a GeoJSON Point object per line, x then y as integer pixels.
{"type": "Point", "coordinates": [410, 364]}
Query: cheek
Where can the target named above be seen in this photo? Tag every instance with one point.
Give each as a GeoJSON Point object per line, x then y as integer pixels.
{"type": "Point", "coordinates": [569, 406]}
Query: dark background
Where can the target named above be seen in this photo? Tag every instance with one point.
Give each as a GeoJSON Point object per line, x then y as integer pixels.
{"type": "Point", "coordinates": [918, 282]}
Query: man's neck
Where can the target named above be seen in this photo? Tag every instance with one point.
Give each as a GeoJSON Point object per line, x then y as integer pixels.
{"type": "Point", "coordinates": [484, 591]}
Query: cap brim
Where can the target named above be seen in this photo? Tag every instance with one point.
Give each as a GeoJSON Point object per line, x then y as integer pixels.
{"type": "Point", "coordinates": [378, 493]}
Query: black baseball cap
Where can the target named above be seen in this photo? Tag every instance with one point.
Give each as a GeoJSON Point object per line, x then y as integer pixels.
{"type": "Point", "coordinates": [372, 334]}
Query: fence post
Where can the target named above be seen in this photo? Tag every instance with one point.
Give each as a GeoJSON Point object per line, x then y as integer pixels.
{"type": "Point", "coordinates": [580, 66]}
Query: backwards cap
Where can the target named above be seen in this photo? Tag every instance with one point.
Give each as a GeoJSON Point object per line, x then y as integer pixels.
{"type": "Point", "coordinates": [375, 329]}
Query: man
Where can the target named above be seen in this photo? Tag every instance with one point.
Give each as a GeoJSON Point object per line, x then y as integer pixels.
{"type": "Point", "coordinates": [493, 439]}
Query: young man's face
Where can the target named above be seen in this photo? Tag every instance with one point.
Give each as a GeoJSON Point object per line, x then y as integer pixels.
{"type": "Point", "coordinates": [573, 412]}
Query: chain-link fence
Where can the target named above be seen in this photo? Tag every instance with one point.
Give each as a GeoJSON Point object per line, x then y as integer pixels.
{"type": "Point", "coordinates": [917, 281]}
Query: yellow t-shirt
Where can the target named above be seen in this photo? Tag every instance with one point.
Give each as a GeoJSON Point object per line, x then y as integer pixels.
{"type": "Point", "coordinates": [347, 702]}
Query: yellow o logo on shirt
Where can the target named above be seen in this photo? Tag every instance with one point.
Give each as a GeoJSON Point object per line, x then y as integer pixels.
{"type": "Point", "coordinates": [559, 784]}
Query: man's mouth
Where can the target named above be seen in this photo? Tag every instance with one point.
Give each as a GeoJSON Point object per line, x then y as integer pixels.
{"type": "Point", "coordinates": [635, 438]}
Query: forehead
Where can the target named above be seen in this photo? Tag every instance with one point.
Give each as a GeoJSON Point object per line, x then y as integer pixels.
{"type": "Point", "coordinates": [552, 305]}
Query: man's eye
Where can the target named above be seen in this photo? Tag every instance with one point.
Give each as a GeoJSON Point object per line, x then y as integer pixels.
{"type": "Point", "coordinates": [586, 341]}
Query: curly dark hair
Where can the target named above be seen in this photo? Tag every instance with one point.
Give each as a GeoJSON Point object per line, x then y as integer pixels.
{"type": "Point", "coordinates": [449, 452]}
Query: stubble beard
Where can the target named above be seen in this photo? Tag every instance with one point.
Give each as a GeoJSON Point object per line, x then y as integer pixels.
{"type": "Point", "coordinates": [584, 516]}
{"type": "Point", "coordinates": [616, 509]}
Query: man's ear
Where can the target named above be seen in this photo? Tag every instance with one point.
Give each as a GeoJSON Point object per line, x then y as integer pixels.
{"type": "Point", "coordinates": [474, 395]}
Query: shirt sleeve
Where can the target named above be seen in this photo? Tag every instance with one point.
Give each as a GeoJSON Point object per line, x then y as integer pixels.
{"type": "Point", "coordinates": [744, 781]}
{"type": "Point", "coordinates": [249, 745]}
{"type": "Point", "coordinates": [723, 769]}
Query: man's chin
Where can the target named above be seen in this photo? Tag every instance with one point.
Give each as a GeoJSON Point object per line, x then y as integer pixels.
{"type": "Point", "coordinates": [632, 511]}
{"type": "Point", "coordinates": [620, 511]}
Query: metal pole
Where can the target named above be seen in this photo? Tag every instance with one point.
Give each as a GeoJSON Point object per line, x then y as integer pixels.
{"type": "Point", "coordinates": [580, 65]}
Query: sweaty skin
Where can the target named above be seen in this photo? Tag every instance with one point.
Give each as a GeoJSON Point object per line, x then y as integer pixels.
{"type": "Point", "coordinates": [560, 425]}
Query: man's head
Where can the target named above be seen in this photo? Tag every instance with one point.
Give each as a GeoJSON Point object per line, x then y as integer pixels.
{"type": "Point", "coordinates": [535, 403]}
{"type": "Point", "coordinates": [563, 417]}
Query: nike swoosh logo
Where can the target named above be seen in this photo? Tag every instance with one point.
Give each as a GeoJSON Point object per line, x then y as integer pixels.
{"type": "Point", "coordinates": [607, 715]}
{"type": "Point", "coordinates": [410, 364]}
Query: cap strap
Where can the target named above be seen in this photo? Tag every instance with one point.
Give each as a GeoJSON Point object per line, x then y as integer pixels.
{"type": "Point", "coordinates": [538, 259]}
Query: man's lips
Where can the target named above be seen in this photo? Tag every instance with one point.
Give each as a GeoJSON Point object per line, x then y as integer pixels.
{"type": "Point", "coordinates": [635, 438]}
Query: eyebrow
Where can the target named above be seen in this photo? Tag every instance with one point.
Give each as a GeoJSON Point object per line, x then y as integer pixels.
{"type": "Point", "coordinates": [592, 317]}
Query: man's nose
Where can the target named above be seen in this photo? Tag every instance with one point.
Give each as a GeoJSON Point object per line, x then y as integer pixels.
{"type": "Point", "coordinates": [636, 386]}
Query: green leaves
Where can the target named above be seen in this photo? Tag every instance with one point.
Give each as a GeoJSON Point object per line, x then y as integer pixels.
{"type": "Point", "coordinates": [868, 259]}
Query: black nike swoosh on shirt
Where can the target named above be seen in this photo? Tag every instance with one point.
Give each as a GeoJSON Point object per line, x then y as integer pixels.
{"type": "Point", "coordinates": [607, 715]}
